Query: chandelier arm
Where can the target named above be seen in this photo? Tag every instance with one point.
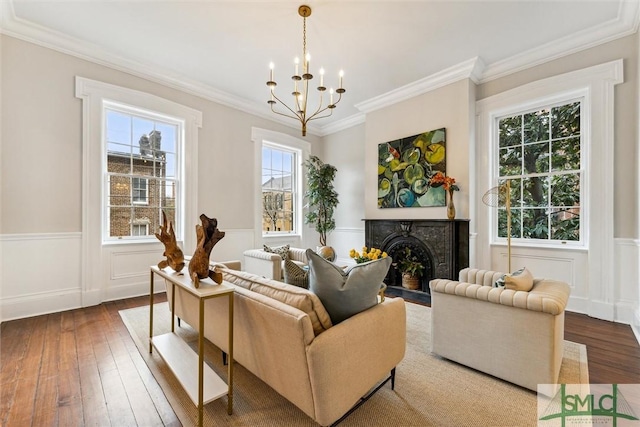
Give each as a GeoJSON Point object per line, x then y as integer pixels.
{"type": "Point", "coordinates": [295, 115]}
{"type": "Point", "coordinates": [319, 109]}
{"type": "Point", "coordinates": [320, 117]}
{"type": "Point", "coordinates": [284, 114]}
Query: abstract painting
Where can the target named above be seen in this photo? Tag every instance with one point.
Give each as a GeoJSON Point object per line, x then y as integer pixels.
{"type": "Point", "coordinates": [405, 168]}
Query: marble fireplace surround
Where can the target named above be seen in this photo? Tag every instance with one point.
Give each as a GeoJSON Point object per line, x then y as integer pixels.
{"type": "Point", "coordinates": [441, 244]}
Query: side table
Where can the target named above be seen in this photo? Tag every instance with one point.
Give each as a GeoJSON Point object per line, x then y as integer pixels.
{"type": "Point", "coordinates": [178, 355]}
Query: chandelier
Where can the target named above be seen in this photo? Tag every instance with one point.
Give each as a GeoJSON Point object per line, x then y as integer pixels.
{"type": "Point", "coordinates": [301, 83]}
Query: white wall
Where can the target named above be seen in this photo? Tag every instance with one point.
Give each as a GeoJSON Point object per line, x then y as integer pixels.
{"type": "Point", "coordinates": [41, 180]}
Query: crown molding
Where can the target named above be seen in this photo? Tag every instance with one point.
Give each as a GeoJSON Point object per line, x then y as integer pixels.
{"type": "Point", "coordinates": [13, 26]}
{"type": "Point", "coordinates": [625, 24]}
{"type": "Point", "coordinates": [469, 69]}
{"type": "Point", "coordinates": [343, 124]}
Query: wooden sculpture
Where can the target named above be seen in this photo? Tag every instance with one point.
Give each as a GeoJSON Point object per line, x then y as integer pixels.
{"type": "Point", "coordinates": [175, 257]}
{"type": "Point", "coordinates": [208, 235]}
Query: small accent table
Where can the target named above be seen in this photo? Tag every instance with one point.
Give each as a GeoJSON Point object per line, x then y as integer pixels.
{"type": "Point", "coordinates": [177, 353]}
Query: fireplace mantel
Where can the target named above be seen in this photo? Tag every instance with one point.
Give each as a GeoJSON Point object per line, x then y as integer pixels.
{"type": "Point", "coordinates": [443, 243]}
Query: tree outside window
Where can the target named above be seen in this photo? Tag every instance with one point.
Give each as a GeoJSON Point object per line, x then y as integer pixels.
{"type": "Point", "coordinates": [540, 153]}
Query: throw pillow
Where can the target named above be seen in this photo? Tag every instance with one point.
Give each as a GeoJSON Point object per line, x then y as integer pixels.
{"type": "Point", "coordinates": [345, 293]}
{"type": "Point", "coordinates": [295, 275]}
{"type": "Point", "coordinates": [283, 251]}
{"type": "Point", "coordinates": [520, 280]}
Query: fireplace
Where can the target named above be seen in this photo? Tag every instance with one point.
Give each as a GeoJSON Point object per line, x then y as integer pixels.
{"type": "Point", "coordinates": [441, 245]}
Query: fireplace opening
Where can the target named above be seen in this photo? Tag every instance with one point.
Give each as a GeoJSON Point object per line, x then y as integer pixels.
{"type": "Point", "coordinates": [396, 250]}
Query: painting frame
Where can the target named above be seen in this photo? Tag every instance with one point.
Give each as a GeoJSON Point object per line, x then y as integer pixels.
{"type": "Point", "coordinates": [405, 169]}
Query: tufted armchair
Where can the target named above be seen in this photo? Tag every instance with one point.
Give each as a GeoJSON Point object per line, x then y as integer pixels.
{"type": "Point", "coordinates": [517, 336]}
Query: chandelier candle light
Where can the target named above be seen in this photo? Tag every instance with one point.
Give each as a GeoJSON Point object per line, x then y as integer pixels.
{"type": "Point", "coordinates": [301, 85]}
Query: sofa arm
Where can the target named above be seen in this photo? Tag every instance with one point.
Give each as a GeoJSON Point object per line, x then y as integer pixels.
{"type": "Point", "coordinates": [350, 358]}
{"type": "Point", "coordinates": [300, 255]}
{"type": "Point", "coordinates": [262, 263]}
{"type": "Point", "coordinates": [548, 296]}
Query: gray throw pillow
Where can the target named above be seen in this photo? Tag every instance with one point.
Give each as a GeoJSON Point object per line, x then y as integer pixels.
{"type": "Point", "coordinates": [345, 293]}
{"type": "Point", "coordinates": [295, 275]}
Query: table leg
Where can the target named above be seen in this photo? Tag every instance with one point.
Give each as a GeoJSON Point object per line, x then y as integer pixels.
{"type": "Point", "coordinates": [230, 367]}
{"type": "Point", "coordinates": [150, 311]}
{"type": "Point", "coordinates": [201, 364]}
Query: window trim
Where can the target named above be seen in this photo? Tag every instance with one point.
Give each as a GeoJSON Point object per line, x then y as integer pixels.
{"type": "Point", "coordinates": [303, 148]}
{"type": "Point", "coordinates": [580, 95]}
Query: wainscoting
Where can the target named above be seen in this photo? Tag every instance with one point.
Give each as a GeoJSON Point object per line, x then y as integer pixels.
{"type": "Point", "coordinates": [42, 273]}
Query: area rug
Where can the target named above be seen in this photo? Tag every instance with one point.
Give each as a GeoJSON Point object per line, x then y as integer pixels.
{"type": "Point", "coordinates": [429, 390]}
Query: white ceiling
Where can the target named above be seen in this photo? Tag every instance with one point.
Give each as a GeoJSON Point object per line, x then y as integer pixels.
{"type": "Point", "coordinates": [222, 48]}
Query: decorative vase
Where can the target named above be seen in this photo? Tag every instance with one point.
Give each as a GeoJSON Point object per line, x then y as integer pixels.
{"type": "Point", "coordinates": [409, 281]}
{"type": "Point", "coordinates": [326, 252]}
{"type": "Point", "coordinates": [451, 209]}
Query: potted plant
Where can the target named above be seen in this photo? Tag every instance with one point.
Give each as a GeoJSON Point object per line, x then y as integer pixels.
{"type": "Point", "coordinates": [323, 200]}
{"type": "Point", "coordinates": [411, 269]}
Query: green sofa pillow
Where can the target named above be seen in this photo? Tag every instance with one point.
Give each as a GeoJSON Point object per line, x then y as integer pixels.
{"type": "Point", "coordinates": [345, 293]}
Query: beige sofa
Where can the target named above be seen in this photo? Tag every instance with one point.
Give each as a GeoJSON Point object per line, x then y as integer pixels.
{"type": "Point", "coordinates": [270, 265]}
{"type": "Point", "coordinates": [284, 336]}
{"type": "Point", "coordinates": [513, 335]}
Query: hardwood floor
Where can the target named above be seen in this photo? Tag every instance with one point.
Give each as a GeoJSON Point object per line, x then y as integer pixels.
{"type": "Point", "coordinates": [81, 367]}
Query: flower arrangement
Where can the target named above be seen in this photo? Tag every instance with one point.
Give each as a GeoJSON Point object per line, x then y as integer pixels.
{"type": "Point", "coordinates": [439, 179]}
{"type": "Point", "coordinates": [366, 256]}
{"type": "Point", "coordinates": [409, 264]}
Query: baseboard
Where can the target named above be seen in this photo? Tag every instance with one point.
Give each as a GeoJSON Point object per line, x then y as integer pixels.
{"type": "Point", "coordinates": [601, 310]}
{"type": "Point", "coordinates": [132, 290]}
{"type": "Point", "coordinates": [635, 326]}
{"type": "Point", "coordinates": [38, 304]}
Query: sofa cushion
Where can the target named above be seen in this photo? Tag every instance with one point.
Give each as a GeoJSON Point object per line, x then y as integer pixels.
{"type": "Point", "coordinates": [294, 296]}
{"type": "Point", "coordinates": [283, 251]}
{"type": "Point", "coordinates": [520, 280]}
{"type": "Point", "coordinates": [345, 293]}
{"type": "Point", "coordinates": [295, 275]}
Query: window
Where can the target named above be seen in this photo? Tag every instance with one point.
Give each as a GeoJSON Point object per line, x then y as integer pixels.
{"type": "Point", "coordinates": [139, 229]}
{"type": "Point", "coordinates": [141, 170]}
{"type": "Point", "coordinates": [278, 162]}
{"type": "Point", "coordinates": [279, 179]}
{"type": "Point", "coordinates": [140, 189]}
{"type": "Point", "coordinates": [539, 154]}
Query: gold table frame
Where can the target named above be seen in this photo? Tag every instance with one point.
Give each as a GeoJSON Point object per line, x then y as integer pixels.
{"type": "Point", "coordinates": [204, 292]}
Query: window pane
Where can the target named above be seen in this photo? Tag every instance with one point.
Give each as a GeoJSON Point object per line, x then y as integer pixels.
{"type": "Point", "coordinates": [119, 191]}
{"type": "Point", "coordinates": [167, 166]}
{"type": "Point", "coordinates": [119, 222]}
{"type": "Point", "coordinates": [536, 158]}
{"type": "Point", "coordinates": [168, 132]}
{"type": "Point", "coordinates": [511, 161]}
{"type": "Point", "coordinates": [565, 190]}
{"type": "Point", "coordinates": [565, 224]}
{"type": "Point", "coordinates": [566, 154]}
{"type": "Point", "coordinates": [515, 223]}
{"type": "Point", "coordinates": [535, 224]}
{"type": "Point", "coordinates": [287, 160]}
{"type": "Point", "coordinates": [118, 127]}
{"type": "Point", "coordinates": [536, 126]}
{"type": "Point", "coordinates": [510, 131]}
{"type": "Point", "coordinates": [119, 163]}
{"type": "Point", "coordinates": [535, 192]}
{"type": "Point", "coordinates": [565, 120]}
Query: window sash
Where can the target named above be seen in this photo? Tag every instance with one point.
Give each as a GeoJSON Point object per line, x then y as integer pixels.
{"type": "Point", "coordinates": [142, 179]}
{"type": "Point", "coordinates": [279, 189]}
{"type": "Point", "coordinates": [539, 221]}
